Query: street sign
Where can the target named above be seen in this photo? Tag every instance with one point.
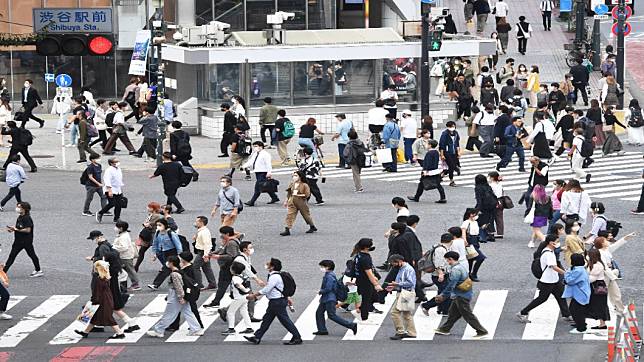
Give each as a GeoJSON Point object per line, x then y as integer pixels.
{"type": "Point", "coordinates": [428, 1]}
{"type": "Point", "coordinates": [601, 9]}
{"type": "Point", "coordinates": [627, 28]}
{"type": "Point", "coordinates": [63, 80]}
{"type": "Point", "coordinates": [615, 12]}
{"type": "Point", "coordinates": [49, 77]}
{"type": "Point", "coordinates": [616, 2]}
{"type": "Point", "coordinates": [72, 20]}
{"type": "Point", "coordinates": [601, 17]}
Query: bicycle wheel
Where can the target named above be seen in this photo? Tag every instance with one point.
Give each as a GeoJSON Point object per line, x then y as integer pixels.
{"type": "Point", "coordinates": [318, 151]}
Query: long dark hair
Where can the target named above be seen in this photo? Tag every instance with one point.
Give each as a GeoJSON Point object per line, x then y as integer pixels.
{"type": "Point", "coordinates": [593, 257]}
{"type": "Point", "coordinates": [5, 102]}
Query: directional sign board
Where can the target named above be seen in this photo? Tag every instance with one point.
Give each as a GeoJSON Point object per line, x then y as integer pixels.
{"type": "Point", "coordinates": [49, 77]}
{"type": "Point", "coordinates": [428, 1]}
{"type": "Point", "coordinates": [63, 80]}
{"type": "Point", "coordinates": [601, 9]}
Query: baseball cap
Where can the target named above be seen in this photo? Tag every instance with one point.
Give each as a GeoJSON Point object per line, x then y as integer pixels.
{"type": "Point", "coordinates": [94, 234]}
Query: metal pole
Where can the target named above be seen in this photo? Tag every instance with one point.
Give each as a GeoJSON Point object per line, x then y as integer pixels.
{"type": "Point", "coordinates": [596, 45]}
{"type": "Point", "coordinates": [424, 60]}
{"type": "Point", "coordinates": [621, 20]}
{"type": "Point", "coordinates": [579, 21]}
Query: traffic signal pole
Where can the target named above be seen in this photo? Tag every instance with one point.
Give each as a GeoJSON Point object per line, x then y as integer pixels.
{"type": "Point", "coordinates": [424, 59]}
{"type": "Point", "coordinates": [621, 22]}
{"type": "Point", "coordinates": [156, 75]}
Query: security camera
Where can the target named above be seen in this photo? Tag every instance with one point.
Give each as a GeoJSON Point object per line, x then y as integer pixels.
{"type": "Point", "coordinates": [279, 17]}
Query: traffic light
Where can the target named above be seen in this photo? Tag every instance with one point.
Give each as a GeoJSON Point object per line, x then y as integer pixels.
{"type": "Point", "coordinates": [435, 40]}
{"type": "Point", "coordinates": [75, 44]}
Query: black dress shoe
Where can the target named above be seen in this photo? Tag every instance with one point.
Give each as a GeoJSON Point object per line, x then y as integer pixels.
{"type": "Point", "coordinates": [82, 333]}
{"type": "Point", "coordinates": [398, 337]}
{"type": "Point", "coordinates": [273, 201]}
{"type": "Point", "coordinates": [412, 198]}
{"type": "Point", "coordinates": [255, 320]}
{"type": "Point", "coordinates": [180, 211]}
{"type": "Point", "coordinates": [117, 336]}
{"type": "Point", "coordinates": [33, 170]}
{"type": "Point", "coordinates": [293, 342]}
{"type": "Point", "coordinates": [42, 124]}
{"type": "Point", "coordinates": [252, 339]}
{"type": "Point", "coordinates": [131, 329]}
{"type": "Point", "coordinates": [248, 204]}
{"type": "Point", "coordinates": [321, 333]}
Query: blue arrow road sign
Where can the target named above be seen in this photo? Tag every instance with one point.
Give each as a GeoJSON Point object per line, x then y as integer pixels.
{"type": "Point", "coordinates": [428, 1]}
{"type": "Point", "coordinates": [601, 9]}
{"type": "Point", "coordinates": [49, 77]}
{"type": "Point", "coordinates": [63, 80]}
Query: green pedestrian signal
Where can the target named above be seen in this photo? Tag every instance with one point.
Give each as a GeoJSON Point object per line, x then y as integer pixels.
{"type": "Point", "coordinates": [435, 45]}
{"type": "Point", "coordinates": [435, 40]}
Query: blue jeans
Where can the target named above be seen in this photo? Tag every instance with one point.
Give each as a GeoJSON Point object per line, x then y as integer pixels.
{"type": "Point", "coordinates": [341, 147]}
{"type": "Point", "coordinates": [73, 134]}
{"type": "Point", "coordinates": [408, 152]}
{"type": "Point", "coordinates": [308, 142]}
{"type": "Point", "coordinates": [507, 157]}
{"type": "Point", "coordinates": [277, 308]}
{"type": "Point", "coordinates": [329, 308]}
{"type": "Point", "coordinates": [172, 310]}
{"type": "Point", "coordinates": [393, 166]}
{"type": "Point", "coordinates": [444, 306]}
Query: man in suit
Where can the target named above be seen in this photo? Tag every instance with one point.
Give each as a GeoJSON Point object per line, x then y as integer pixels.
{"type": "Point", "coordinates": [30, 100]}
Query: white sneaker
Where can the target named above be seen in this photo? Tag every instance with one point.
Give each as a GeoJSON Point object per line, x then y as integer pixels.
{"type": "Point", "coordinates": [5, 317]}
{"type": "Point", "coordinates": [356, 314]}
{"type": "Point", "coordinates": [36, 274]}
{"type": "Point", "coordinates": [198, 332]}
{"type": "Point", "coordinates": [531, 244]}
{"type": "Point", "coordinates": [154, 333]}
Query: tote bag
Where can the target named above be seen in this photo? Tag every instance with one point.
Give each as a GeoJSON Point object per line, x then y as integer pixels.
{"type": "Point", "coordinates": [384, 155]}
{"type": "Point", "coordinates": [405, 302]}
{"type": "Point", "coordinates": [529, 218]}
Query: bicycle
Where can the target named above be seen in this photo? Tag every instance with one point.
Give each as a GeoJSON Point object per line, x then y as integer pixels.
{"type": "Point", "coordinates": [581, 52]}
{"type": "Point", "coordinates": [318, 141]}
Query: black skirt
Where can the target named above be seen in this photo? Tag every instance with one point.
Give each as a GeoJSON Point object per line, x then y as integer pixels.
{"type": "Point", "coordinates": [117, 296]}
{"type": "Point", "coordinates": [598, 307]}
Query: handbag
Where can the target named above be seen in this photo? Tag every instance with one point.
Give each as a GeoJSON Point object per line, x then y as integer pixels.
{"type": "Point", "coordinates": [529, 217]}
{"type": "Point", "coordinates": [465, 285]}
{"type": "Point", "coordinates": [607, 127]}
{"type": "Point", "coordinates": [471, 252]}
{"type": "Point", "coordinates": [599, 287]}
{"type": "Point", "coordinates": [384, 155]}
{"type": "Point", "coordinates": [506, 202]}
{"type": "Point", "coordinates": [240, 207]}
{"type": "Point", "coordinates": [19, 116]}
{"type": "Point", "coordinates": [405, 301]}
{"type": "Point", "coordinates": [123, 202]}
{"type": "Point", "coordinates": [270, 185]}
{"type": "Point", "coordinates": [430, 182]}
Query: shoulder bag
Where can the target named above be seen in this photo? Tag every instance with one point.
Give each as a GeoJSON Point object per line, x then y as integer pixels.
{"type": "Point", "coordinates": [405, 301]}
{"type": "Point", "coordinates": [506, 202]}
{"type": "Point", "coordinates": [240, 207]}
{"type": "Point", "coordinates": [599, 287]}
{"type": "Point", "coordinates": [465, 285]}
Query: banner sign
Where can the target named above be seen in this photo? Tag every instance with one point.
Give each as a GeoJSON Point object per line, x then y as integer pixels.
{"type": "Point", "coordinates": [140, 52]}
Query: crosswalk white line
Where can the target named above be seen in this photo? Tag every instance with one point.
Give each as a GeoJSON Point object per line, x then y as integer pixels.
{"type": "Point", "coordinates": [425, 325]}
{"type": "Point", "coordinates": [487, 310]}
{"type": "Point", "coordinates": [35, 319]}
{"type": "Point", "coordinates": [208, 317]}
{"type": "Point", "coordinates": [367, 331]}
{"type": "Point", "coordinates": [260, 310]}
{"type": "Point", "coordinates": [13, 300]}
{"type": "Point", "coordinates": [543, 320]}
{"type": "Point", "coordinates": [600, 334]}
{"type": "Point", "coordinates": [145, 320]}
{"type": "Point", "coordinates": [619, 194]}
{"type": "Point", "coordinates": [631, 198]}
{"type": "Point", "coordinates": [305, 323]}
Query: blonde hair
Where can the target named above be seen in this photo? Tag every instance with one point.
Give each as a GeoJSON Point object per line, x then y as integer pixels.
{"type": "Point", "coordinates": [102, 268]}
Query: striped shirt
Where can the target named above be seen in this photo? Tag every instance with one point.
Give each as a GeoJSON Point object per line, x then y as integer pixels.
{"type": "Point", "coordinates": [546, 5]}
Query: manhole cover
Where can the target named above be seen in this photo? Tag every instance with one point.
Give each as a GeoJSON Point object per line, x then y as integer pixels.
{"type": "Point", "coordinates": [42, 156]}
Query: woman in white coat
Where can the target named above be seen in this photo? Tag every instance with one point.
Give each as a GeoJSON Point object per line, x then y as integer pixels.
{"type": "Point", "coordinates": [575, 204]}
{"type": "Point", "coordinates": [606, 249]}
{"type": "Point", "coordinates": [5, 116]}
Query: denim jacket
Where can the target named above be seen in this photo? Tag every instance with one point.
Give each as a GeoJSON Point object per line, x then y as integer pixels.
{"type": "Point", "coordinates": [577, 285]}
{"type": "Point", "coordinates": [166, 241]}
{"type": "Point", "coordinates": [327, 290]}
{"type": "Point", "coordinates": [390, 131]}
{"type": "Point", "coordinates": [457, 275]}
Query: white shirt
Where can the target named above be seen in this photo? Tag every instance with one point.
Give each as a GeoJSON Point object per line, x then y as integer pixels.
{"type": "Point", "coordinates": [408, 127]}
{"type": "Point", "coordinates": [245, 260]}
{"type": "Point", "coordinates": [25, 94]}
{"type": "Point", "coordinates": [576, 203]}
{"type": "Point", "coordinates": [497, 188]}
{"type": "Point", "coordinates": [501, 9]}
{"type": "Point", "coordinates": [578, 141]}
{"type": "Point", "coordinates": [403, 212]}
{"type": "Point", "coordinates": [471, 227]}
{"type": "Point", "coordinates": [376, 116]}
{"type": "Point", "coordinates": [261, 162]}
{"type": "Point", "coordinates": [548, 260]}
{"type": "Point", "coordinates": [387, 94]}
{"type": "Point", "coordinates": [546, 5]}
{"type": "Point", "coordinates": [458, 245]}
{"type": "Point", "coordinates": [352, 287]}
{"type": "Point", "coordinates": [119, 118]}
{"type": "Point", "coordinates": [486, 119]}
{"type": "Point", "coordinates": [113, 177]}
{"type": "Point", "coordinates": [235, 285]}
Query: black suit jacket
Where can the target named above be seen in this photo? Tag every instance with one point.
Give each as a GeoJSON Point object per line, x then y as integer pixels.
{"type": "Point", "coordinates": [33, 99]}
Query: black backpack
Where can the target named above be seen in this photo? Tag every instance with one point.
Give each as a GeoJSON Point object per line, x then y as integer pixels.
{"type": "Point", "coordinates": [84, 178]}
{"type": "Point", "coordinates": [109, 119]}
{"type": "Point", "coordinates": [114, 259]}
{"type": "Point", "coordinates": [636, 119]}
{"type": "Point", "coordinates": [182, 146]}
{"type": "Point", "coordinates": [289, 284]}
{"type": "Point", "coordinates": [341, 290]}
{"type": "Point", "coordinates": [26, 138]}
{"type": "Point", "coordinates": [187, 174]}
{"type": "Point", "coordinates": [191, 288]}
{"type": "Point", "coordinates": [536, 264]}
{"type": "Point", "coordinates": [612, 226]}
{"type": "Point", "coordinates": [587, 148]}
{"type": "Point", "coordinates": [244, 146]}
{"type": "Point", "coordinates": [487, 79]}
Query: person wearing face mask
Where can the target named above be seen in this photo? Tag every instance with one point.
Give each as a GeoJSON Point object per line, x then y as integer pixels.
{"type": "Point", "coordinates": [328, 301]}
{"type": "Point", "coordinates": [4, 92]}
{"type": "Point", "coordinates": [449, 147]}
{"type": "Point", "coordinates": [277, 303]}
{"type": "Point", "coordinates": [312, 168]}
{"type": "Point", "coordinates": [224, 254]}
{"type": "Point", "coordinates": [23, 233]}
{"type": "Point", "coordinates": [297, 194]}
{"type": "Point", "coordinates": [113, 188]}
{"type": "Point", "coordinates": [127, 250]}
{"type": "Point", "coordinates": [247, 250]}
{"type": "Point", "coordinates": [573, 243]}
{"type": "Point", "coordinates": [513, 135]}
{"type": "Point", "coordinates": [228, 201]}
{"type": "Point", "coordinates": [19, 144]}
{"type": "Point", "coordinates": [166, 243]}
{"type": "Point", "coordinates": [147, 232]}
{"type": "Point", "coordinates": [430, 175]}
{"type": "Point", "coordinates": [187, 269]}
{"type": "Point", "coordinates": [366, 279]}
{"type": "Point", "coordinates": [180, 147]}
{"type": "Point", "coordinates": [176, 303]}
{"type": "Point", "coordinates": [260, 164]}
{"type": "Point", "coordinates": [30, 100]}
{"type": "Point", "coordinates": [14, 177]}
{"type": "Point", "coordinates": [171, 173]}
{"type": "Point", "coordinates": [203, 245]}
{"type": "Point", "coordinates": [470, 228]}
{"type": "Point", "coordinates": [404, 282]}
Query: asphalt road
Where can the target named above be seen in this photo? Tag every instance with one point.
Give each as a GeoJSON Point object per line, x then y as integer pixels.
{"type": "Point", "coordinates": [57, 200]}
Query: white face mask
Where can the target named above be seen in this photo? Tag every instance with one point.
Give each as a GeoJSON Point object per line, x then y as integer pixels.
{"type": "Point", "coordinates": [167, 264]}
{"type": "Point", "coordinates": [223, 184]}
{"type": "Point", "coordinates": [257, 149]}
{"type": "Point", "coordinates": [18, 210]}
{"type": "Point", "coordinates": [117, 164]}
{"type": "Point", "coordinates": [575, 228]}
{"type": "Point", "coordinates": [476, 217]}
{"type": "Point", "coordinates": [159, 228]}
{"type": "Point", "coordinates": [251, 251]}
{"type": "Point", "coordinates": [266, 267]}
{"type": "Point", "coordinates": [117, 230]}
{"type": "Point", "coordinates": [323, 270]}
{"type": "Point", "coordinates": [451, 129]}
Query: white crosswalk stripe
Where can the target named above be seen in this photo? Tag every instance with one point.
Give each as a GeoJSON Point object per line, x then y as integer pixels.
{"type": "Point", "coordinates": [489, 307]}
{"type": "Point", "coordinates": [612, 176]}
{"type": "Point", "coordinates": [35, 319]}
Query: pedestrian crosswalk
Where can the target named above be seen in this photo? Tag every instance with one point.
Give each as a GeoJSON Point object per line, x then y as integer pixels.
{"type": "Point", "coordinates": [489, 305]}
{"type": "Point", "coordinates": [612, 176]}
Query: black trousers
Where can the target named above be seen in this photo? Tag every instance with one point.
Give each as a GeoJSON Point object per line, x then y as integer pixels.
{"type": "Point", "coordinates": [113, 202]}
{"type": "Point", "coordinates": [225, 142]}
{"type": "Point", "coordinates": [547, 19]}
{"type": "Point", "coordinates": [523, 44]}
{"type": "Point", "coordinates": [171, 193]}
{"type": "Point", "coordinates": [640, 204]}
{"type": "Point", "coordinates": [165, 271]}
{"type": "Point", "coordinates": [262, 132]}
{"type": "Point", "coordinates": [24, 151]}
{"type": "Point", "coordinates": [473, 141]}
{"type": "Point", "coordinates": [149, 146]}
{"type": "Point", "coordinates": [545, 289]}
{"type": "Point", "coordinates": [315, 190]}
{"type": "Point", "coordinates": [277, 309]}
{"type": "Point", "coordinates": [102, 138]}
{"type": "Point", "coordinates": [366, 291]}
{"type": "Point", "coordinates": [452, 164]}
{"type": "Point", "coordinates": [223, 282]}
{"type": "Point", "coordinates": [260, 177]}
{"type": "Point", "coordinates": [16, 248]}
{"type": "Point", "coordinates": [29, 115]}
{"type": "Point", "coordinates": [13, 191]}
{"type": "Point", "coordinates": [582, 88]}
{"type": "Point", "coordinates": [139, 260]}
{"type": "Point", "coordinates": [578, 313]}
{"type": "Point", "coordinates": [420, 190]}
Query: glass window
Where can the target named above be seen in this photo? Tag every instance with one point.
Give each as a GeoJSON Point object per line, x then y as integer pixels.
{"type": "Point", "coordinates": [312, 83]}
{"type": "Point", "coordinates": [98, 76]}
{"type": "Point", "coordinates": [203, 10]}
{"type": "Point", "coordinates": [401, 72]}
{"type": "Point", "coordinates": [231, 12]}
{"type": "Point", "coordinates": [256, 11]}
{"type": "Point", "coordinates": [297, 7]}
{"type": "Point", "coordinates": [321, 14]}
{"type": "Point", "coordinates": [270, 80]}
{"type": "Point", "coordinates": [223, 82]}
{"type": "Point", "coordinates": [354, 81]}
{"type": "Point", "coordinates": [63, 64]}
